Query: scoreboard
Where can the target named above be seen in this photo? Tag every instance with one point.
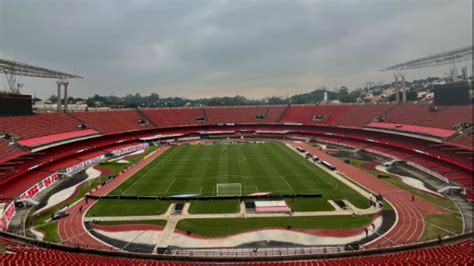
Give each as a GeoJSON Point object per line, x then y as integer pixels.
{"type": "Point", "coordinates": [15, 104]}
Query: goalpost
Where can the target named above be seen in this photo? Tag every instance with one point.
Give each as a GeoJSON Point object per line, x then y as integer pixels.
{"type": "Point", "coordinates": [229, 189]}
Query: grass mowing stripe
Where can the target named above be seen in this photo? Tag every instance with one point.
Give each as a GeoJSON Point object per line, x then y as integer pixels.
{"type": "Point", "coordinates": [131, 182]}
{"type": "Point", "coordinates": [128, 208]}
{"type": "Point", "coordinates": [269, 167]}
{"type": "Point", "coordinates": [213, 207]}
{"type": "Point", "coordinates": [304, 162]}
{"type": "Point", "coordinates": [287, 183]}
{"type": "Point", "coordinates": [229, 226]}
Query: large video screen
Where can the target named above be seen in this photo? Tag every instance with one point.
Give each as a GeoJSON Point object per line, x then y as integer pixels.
{"type": "Point", "coordinates": [11, 104]}
{"type": "Point", "coordinates": [452, 94]}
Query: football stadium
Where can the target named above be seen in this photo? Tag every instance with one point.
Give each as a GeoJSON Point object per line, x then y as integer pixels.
{"type": "Point", "coordinates": [322, 183]}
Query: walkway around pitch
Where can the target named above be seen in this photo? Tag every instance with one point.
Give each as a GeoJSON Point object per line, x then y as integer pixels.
{"type": "Point", "coordinates": [71, 228]}
{"type": "Point", "coordinates": [410, 225]}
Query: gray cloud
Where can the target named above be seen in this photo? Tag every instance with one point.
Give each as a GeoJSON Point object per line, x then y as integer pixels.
{"type": "Point", "coordinates": [208, 48]}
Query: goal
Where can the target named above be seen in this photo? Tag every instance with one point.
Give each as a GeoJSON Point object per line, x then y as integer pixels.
{"type": "Point", "coordinates": [229, 189]}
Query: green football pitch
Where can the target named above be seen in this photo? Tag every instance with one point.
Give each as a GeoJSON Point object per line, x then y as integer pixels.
{"type": "Point", "coordinates": [249, 168]}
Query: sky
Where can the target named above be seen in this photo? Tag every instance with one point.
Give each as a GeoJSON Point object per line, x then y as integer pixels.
{"type": "Point", "coordinates": [205, 48]}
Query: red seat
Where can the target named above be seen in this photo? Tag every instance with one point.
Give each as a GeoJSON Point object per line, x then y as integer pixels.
{"type": "Point", "coordinates": [459, 253]}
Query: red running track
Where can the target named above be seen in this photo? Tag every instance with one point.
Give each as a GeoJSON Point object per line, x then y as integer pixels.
{"type": "Point", "coordinates": [71, 228]}
{"type": "Point", "coordinates": [409, 226]}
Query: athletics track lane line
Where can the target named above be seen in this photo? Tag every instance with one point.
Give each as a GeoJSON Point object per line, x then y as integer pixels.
{"type": "Point", "coordinates": [409, 226]}
{"type": "Point", "coordinates": [71, 228]}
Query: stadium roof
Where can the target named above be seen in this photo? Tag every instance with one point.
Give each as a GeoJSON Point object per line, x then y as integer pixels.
{"type": "Point", "coordinates": [447, 57]}
{"type": "Point", "coordinates": [22, 69]}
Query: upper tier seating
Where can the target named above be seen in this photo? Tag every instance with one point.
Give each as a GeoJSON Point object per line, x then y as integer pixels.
{"type": "Point", "coordinates": [271, 114]}
{"type": "Point", "coordinates": [459, 253]}
{"type": "Point", "coordinates": [307, 114]}
{"type": "Point", "coordinates": [172, 117]}
{"type": "Point", "coordinates": [411, 114]}
{"type": "Point", "coordinates": [38, 125]}
{"type": "Point", "coordinates": [274, 113]}
{"type": "Point", "coordinates": [420, 114]}
{"type": "Point", "coordinates": [361, 115]}
{"type": "Point", "coordinates": [111, 122]}
{"type": "Point", "coordinates": [450, 117]}
{"type": "Point", "coordinates": [239, 114]}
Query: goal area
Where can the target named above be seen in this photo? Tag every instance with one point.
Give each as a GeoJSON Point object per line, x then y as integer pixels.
{"type": "Point", "coordinates": [229, 189]}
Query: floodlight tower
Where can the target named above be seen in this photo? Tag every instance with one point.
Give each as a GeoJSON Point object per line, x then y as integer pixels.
{"type": "Point", "coordinates": [12, 69]}
{"type": "Point", "coordinates": [62, 82]}
{"type": "Point", "coordinates": [398, 88]}
{"type": "Point", "coordinates": [11, 80]}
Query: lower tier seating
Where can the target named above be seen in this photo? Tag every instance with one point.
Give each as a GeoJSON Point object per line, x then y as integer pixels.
{"type": "Point", "coordinates": [21, 164]}
{"type": "Point", "coordinates": [7, 151]}
{"type": "Point", "coordinates": [461, 176]}
{"type": "Point", "coordinates": [465, 139]}
{"type": "Point", "coordinates": [57, 158]}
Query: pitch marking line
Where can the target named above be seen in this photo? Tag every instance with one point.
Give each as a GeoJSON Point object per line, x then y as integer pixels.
{"type": "Point", "coordinates": [295, 152]}
{"type": "Point", "coordinates": [190, 160]}
{"type": "Point", "coordinates": [217, 176]}
{"type": "Point", "coordinates": [252, 189]}
{"type": "Point", "coordinates": [172, 183]}
{"type": "Point", "coordinates": [146, 173]}
{"type": "Point", "coordinates": [288, 183]}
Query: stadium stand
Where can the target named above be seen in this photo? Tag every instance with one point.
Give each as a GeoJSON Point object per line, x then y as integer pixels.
{"type": "Point", "coordinates": [108, 122]}
{"type": "Point", "coordinates": [20, 168]}
{"type": "Point", "coordinates": [447, 117]}
{"type": "Point", "coordinates": [457, 253]}
{"type": "Point", "coordinates": [411, 114]}
{"type": "Point", "coordinates": [12, 190]}
{"type": "Point", "coordinates": [459, 175]}
{"type": "Point", "coordinates": [30, 161]}
{"type": "Point", "coordinates": [361, 115]}
{"type": "Point", "coordinates": [239, 114]}
{"type": "Point", "coordinates": [308, 114]}
{"type": "Point", "coordinates": [172, 117]}
{"type": "Point", "coordinates": [272, 113]}
{"type": "Point", "coordinates": [450, 117]}
{"type": "Point", "coordinates": [8, 151]}
{"type": "Point", "coordinates": [466, 140]}
{"type": "Point", "coordinates": [38, 125]}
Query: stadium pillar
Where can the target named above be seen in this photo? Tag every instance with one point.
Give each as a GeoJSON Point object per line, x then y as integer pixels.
{"type": "Point", "coordinates": [65, 95]}
{"type": "Point", "coordinates": [404, 90]}
{"type": "Point", "coordinates": [59, 95]}
{"type": "Point", "coordinates": [397, 89]}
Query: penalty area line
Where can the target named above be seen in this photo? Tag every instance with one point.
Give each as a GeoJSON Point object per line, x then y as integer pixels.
{"type": "Point", "coordinates": [172, 183]}
{"type": "Point", "coordinates": [287, 183]}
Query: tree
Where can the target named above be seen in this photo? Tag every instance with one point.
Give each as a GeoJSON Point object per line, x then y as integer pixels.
{"type": "Point", "coordinates": [53, 98]}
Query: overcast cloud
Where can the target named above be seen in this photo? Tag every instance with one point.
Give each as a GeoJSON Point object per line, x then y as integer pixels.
{"type": "Point", "coordinates": [216, 48]}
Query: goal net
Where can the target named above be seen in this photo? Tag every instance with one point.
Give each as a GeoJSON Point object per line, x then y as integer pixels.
{"type": "Point", "coordinates": [229, 189]}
